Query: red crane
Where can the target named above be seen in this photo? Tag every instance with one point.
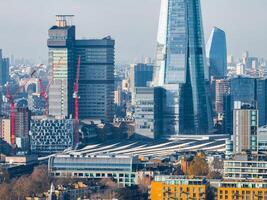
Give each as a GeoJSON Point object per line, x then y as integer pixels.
{"type": "Point", "coordinates": [12, 107]}
{"type": "Point", "coordinates": [76, 90]}
{"type": "Point", "coordinates": [76, 100]}
{"type": "Point", "coordinates": [44, 91]}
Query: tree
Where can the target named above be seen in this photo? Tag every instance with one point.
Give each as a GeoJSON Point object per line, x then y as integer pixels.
{"type": "Point", "coordinates": [198, 167]}
{"type": "Point", "coordinates": [214, 175]}
{"type": "Point", "coordinates": [5, 191]}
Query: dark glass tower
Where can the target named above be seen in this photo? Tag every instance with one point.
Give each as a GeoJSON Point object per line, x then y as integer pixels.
{"type": "Point", "coordinates": [4, 69]}
{"type": "Point", "coordinates": [96, 85]}
{"type": "Point", "coordinates": [181, 68]}
{"type": "Point", "coordinates": [217, 53]}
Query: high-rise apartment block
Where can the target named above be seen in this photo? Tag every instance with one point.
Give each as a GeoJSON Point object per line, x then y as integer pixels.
{"type": "Point", "coordinates": [181, 68]}
{"type": "Point", "coordinates": [96, 84]}
{"type": "Point", "coordinates": [217, 53]}
{"type": "Point", "coordinates": [4, 69]}
{"type": "Point", "coordinates": [5, 128]}
{"type": "Point", "coordinates": [245, 127]}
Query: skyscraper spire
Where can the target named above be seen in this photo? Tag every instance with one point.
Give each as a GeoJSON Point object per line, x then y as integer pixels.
{"type": "Point", "coordinates": [181, 68]}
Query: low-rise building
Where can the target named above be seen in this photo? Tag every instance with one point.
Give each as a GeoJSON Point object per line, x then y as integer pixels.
{"type": "Point", "coordinates": [245, 167]}
{"type": "Point", "coordinates": [175, 187]}
{"type": "Point", "coordinates": [241, 190]}
{"type": "Point", "coordinates": [121, 168]}
{"type": "Point", "coordinates": [51, 135]}
{"type": "Point", "coordinates": [75, 191]}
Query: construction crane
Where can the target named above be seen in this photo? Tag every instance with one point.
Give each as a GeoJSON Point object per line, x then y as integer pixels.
{"type": "Point", "coordinates": [10, 99]}
{"type": "Point", "coordinates": [76, 100]}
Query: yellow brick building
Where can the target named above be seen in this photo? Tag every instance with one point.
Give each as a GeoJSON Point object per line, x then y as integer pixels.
{"type": "Point", "coordinates": [242, 191]}
{"type": "Point", "coordinates": [178, 188]}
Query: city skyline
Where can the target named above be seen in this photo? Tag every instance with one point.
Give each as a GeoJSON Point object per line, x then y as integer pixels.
{"type": "Point", "coordinates": [140, 22]}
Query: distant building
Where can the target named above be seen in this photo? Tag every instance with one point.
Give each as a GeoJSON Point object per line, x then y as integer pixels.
{"type": "Point", "coordinates": [240, 69]}
{"type": "Point", "coordinates": [4, 69]}
{"type": "Point", "coordinates": [74, 191]}
{"type": "Point", "coordinates": [96, 85]}
{"type": "Point", "coordinates": [22, 127]}
{"type": "Point", "coordinates": [175, 187]}
{"type": "Point", "coordinates": [245, 127]}
{"type": "Point", "coordinates": [221, 89]}
{"type": "Point", "coordinates": [122, 168]}
{"type": "Point", "coordinates": [149, 104]}
{"type": "Point", "coordinates": [140, 76]}
{"type": "Point", "coordinates": [51, 135]}
{"type": "Point", "coordinates": [5, 128]}
{"type": "Point", "coordinates": [216, 53]}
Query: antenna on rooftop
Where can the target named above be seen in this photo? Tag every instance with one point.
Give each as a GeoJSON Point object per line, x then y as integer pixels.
{"type": "Point", "coordinates": [64, 20]}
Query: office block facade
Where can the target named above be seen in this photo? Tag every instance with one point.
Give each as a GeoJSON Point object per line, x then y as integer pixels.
{"type": "Point", "coordinates": [51, 135]}
{"type": "Point", "coordinates": [262, 139]}
{"type": "Point", "coordinates": [221, 89]}
{"type": "Point", "coordinates": [261, 99]}
{"type": "Point", "coordinates": [119, 167]}
{"type": "Point", "coordinates": [141, 75]}
{"type": "Point", "coordinates": [181, 68]}
{"type": "Point", "coordinates": [149, 105]}
{"type": "Point", "coordinates": [216, 52]}
{"type": "Point", "coordinates": [61, 43]}
{"type": "Point", "coordinates": [96, 84]}
{"type": "Point", "coordinates": [4, 69]}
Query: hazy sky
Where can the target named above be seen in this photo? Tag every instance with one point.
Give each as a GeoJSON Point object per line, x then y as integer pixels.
{"type": "Point", "coordinates": [132, 23]}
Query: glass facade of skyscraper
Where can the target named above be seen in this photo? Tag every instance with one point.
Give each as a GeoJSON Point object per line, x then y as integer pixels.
{"type": "Point", "coordinates": [181, 68]}
{"type": "Point", "coordinates": [217, 53]}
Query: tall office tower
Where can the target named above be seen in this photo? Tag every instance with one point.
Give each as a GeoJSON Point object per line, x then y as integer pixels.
{"type": "Point", "coordinates": [149, 106]}
{"type": "Point", "coordinates": [217, 53]}
{"type": "Point", "coordinates": [22, 122]}
{"type": "Point", "coordinates": [241, 89]}
{"type": "Point", "coordinates": [181, 68]}
{"type": "Point", "coordinates": [22, 127]}
{"type": "Point", "coordinates": [245, 127]}
{"type": "Point", "coordinates": [61, 43]}
{"type": "Point", "coordinates": [4, 69]}
{"type": "Point", "coordinates": [96, 85]}
{"type": "Point", "coordinates": [140, 76]}
{"type": "Point", "coordinates": [261, 99]}
{"type": "Point", "coordinates": [221, 89]}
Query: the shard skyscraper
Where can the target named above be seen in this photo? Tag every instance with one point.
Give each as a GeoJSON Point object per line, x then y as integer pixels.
{"type": "Point", "coordinates": [181, 69]}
